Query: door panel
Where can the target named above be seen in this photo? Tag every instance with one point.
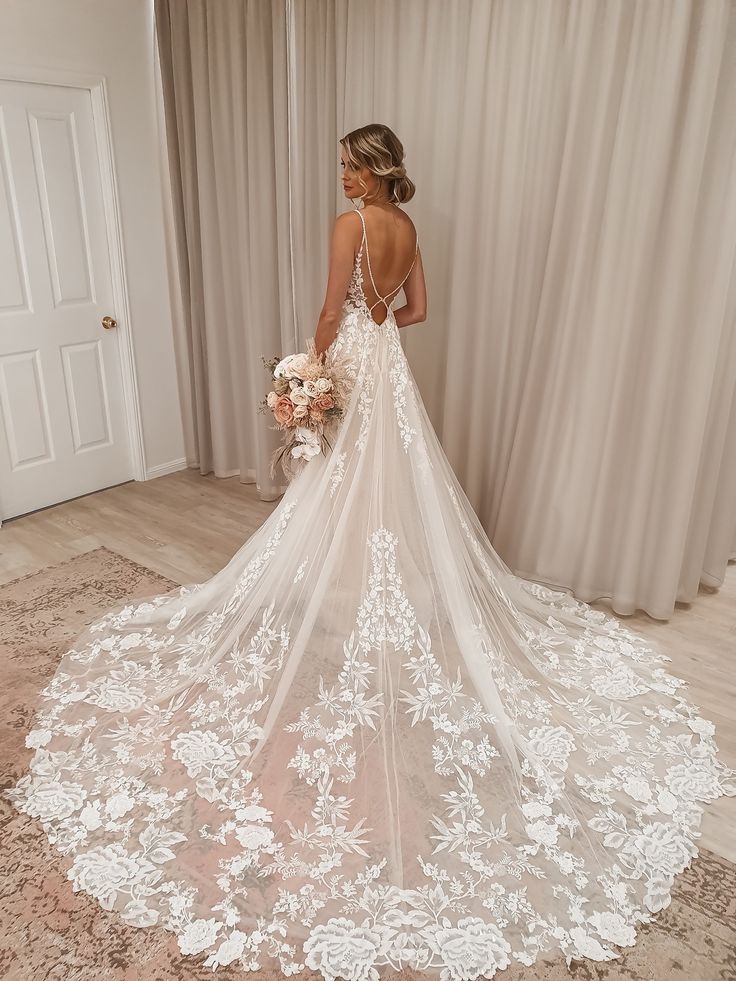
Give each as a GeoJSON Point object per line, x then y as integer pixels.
{"type": "Point", "coordinates": [62, 419]}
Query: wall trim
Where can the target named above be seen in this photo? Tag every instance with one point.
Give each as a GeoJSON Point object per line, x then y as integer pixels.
{"type": "Point", "coordinates": [163, 468]}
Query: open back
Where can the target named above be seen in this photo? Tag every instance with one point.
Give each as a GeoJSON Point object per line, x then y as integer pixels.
{"type": "Point", "coordinates": [381, 298]}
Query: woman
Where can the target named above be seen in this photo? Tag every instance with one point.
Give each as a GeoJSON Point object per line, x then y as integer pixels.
{"type": "Point", "coordinates": [365, 744]}
{"type": "Point", "coordinates": [394, 238]}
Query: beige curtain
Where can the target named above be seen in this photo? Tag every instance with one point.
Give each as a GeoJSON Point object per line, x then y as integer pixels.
{"type": "Point", "coordinates": [576, 173]}
{"type": "Point", "coordinates": [225, 96]}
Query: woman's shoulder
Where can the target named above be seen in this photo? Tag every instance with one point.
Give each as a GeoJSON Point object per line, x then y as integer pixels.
{"type": "Point", "coordinates": [395, 212]}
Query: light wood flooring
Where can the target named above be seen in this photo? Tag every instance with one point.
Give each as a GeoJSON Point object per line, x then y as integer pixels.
{"type": "Point", "coordinates": [186, 527]}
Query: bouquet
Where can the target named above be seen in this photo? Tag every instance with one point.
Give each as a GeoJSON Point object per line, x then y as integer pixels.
{"type": "Point", "coordinates": [307, 399]}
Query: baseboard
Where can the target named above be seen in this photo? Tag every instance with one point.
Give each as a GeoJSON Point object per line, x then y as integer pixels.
{"type": "Point", "coordinates": [174, 465]}
{"type": "Point", "coordinates": [163, 468]}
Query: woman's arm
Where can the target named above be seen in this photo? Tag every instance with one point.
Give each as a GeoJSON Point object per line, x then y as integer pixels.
{"type": "Point", "coordinates": [343, 249]}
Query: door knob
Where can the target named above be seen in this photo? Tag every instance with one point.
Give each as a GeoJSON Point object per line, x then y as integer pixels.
{"type": "Point", "coordinates": [108, 323]}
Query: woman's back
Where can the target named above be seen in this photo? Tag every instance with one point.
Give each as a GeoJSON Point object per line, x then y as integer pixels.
{"type": "Point", "coordinates": [389, 250]}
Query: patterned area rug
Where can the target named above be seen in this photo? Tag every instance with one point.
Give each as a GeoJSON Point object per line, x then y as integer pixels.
{"type": "Point", "coordinates": [49, 932]}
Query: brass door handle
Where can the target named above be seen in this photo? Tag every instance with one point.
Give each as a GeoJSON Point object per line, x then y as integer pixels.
{"type": "Point", "coordinates": [108, 323]}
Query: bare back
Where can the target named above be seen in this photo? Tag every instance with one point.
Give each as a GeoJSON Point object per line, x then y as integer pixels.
{"type": "Point", "coordinates": [389, 250]}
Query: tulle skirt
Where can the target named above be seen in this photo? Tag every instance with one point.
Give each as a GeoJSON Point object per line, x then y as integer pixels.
{"type": "Point", "coordinates": [365, 744]}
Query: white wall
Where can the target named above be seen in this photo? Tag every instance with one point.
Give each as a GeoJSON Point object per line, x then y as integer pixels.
{"type": "Point", "coordinates": [115, 38]}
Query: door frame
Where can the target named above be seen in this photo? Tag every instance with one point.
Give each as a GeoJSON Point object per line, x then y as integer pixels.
{"type": "Point", "coordinates": [97, 87]}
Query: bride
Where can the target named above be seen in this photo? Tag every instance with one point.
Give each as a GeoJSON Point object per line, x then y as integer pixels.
{"type": "Point", "coordinates": [365, 744]}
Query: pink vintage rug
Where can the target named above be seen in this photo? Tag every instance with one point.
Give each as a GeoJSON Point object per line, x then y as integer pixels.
{"type": "Point", "coordinates": [49, 932]}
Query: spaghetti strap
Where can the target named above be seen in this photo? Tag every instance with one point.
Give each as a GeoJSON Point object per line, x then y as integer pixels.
{"type": "Point", "coordinates": [364, 241]}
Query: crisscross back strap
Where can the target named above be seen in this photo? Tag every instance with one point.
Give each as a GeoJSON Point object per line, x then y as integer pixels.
{"type": "Point", "coordinates": [382, 299]}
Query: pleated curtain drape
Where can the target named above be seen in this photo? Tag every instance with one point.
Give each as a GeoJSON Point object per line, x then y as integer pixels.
{"type": "Point", "coordinates": [576, 173]}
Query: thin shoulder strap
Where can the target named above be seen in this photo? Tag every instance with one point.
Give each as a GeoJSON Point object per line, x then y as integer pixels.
{"type": "Point", "coordinates": [364, 238]}
{"type": "Point", "coordinates": [368, 258]}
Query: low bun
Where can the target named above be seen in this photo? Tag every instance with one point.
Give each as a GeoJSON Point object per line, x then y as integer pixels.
{"type": "Point", "coordinates": [404, 189]}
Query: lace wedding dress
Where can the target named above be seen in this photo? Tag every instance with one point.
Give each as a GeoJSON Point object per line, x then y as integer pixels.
{"type": "Point", "coordinates": [365, 744]}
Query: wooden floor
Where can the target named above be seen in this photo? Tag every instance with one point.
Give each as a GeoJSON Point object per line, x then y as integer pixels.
{"type": "Point", "coordinates": [187, 527]}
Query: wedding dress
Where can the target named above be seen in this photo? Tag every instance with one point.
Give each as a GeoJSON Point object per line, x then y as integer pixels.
{"type": "Point", "coordinates": [365, 744]}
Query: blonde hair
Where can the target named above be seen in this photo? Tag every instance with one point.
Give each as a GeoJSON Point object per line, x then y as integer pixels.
{"type": "Point", "coordinates": [378, 148]}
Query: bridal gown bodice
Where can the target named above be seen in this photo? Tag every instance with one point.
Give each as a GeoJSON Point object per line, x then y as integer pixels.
{"type": "Point", "coordinates": [372, 347]}
{"type": "Point", "coordinates": [364, 744]}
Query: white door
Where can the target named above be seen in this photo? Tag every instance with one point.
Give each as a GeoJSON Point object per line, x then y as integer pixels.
{"type": "Point", "coordinates": [62, 420]}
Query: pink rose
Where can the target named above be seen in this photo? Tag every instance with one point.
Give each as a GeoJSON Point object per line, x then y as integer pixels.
{"type": "Point", "coordinates": [283, 411]}
{"type": "Point", "coordinates": [323, 402]}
